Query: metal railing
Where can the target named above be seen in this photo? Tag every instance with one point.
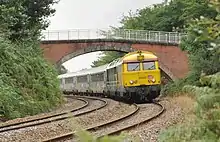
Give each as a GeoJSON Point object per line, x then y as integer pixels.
{"type": "Point", "coordinates": [124, 34]}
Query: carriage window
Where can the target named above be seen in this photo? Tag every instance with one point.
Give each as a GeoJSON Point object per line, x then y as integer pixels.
{"type": "Point", "coordinates": [149, 66]}
{"type": "Point", "coordinates": [97, 77]}
{"type": "Point", "coordinates": [81, 79]}
{"type": "Point", "coordinates": [68, 80]}
{"type": "Point", "coordinates": [133, 66]}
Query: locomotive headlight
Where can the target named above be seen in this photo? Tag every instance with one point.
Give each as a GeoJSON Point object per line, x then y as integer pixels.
{"type": "Point", "coordinates": [131, 81]}
{"type": "Point", "coordinates": [153, 80]}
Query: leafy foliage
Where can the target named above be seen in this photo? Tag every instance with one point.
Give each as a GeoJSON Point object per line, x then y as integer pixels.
{"type": "Point", "coordinates": [108, 56]}
{"type": "Point", "coordinates": [61, 69]}
{"type": "Point", "coordinates": [206, 127]}
{"type": "Point", "coordinates": [28, 83]}
{"type": "Point", "coordinates": [203, 36]}
{"type": "Point", "coordinates": [203, 45]}
{"type": "Point", "coordinates": [85, 136]}
{"type": "Point", "coordinates": [167, 16]}
{"type": "Point", "coordinates": [24, 18]}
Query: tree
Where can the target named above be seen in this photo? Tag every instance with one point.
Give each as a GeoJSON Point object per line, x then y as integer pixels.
{"type": "Point", "coordinates": [108, 57]}
{"type": "Point", "coordinates": [28, 83]}
{"type": "Point", "coordinates": [203, 43]}
{"type": "Point", "coordinates": [25, 18]}
{"type": "Point", "coordinates": [203, 46]}
{"type": "Point", "coordinates": [61, 69]}
{"type": "Point", "coordinates": [167, 16]}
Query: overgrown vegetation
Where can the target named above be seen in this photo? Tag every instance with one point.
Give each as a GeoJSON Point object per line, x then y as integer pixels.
{"type": "Point", "coordinates": [202, 45]}
{"type": "Point", "coordinates": [85, 136]}
{"type": "Point", "coordinates": [204, 40]}
{"type": "Point", "coordinates": [108, 57]}
{"type": "Point", "coordinates": [167, 16]}
{"type": "Point", "coordinates": [28, 83]}
{"type": "Point", "coordinates": [22, 19]}
{"type": "Point", "coordinates": [206, 126]}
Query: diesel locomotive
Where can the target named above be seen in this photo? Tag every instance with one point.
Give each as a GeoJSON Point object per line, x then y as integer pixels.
{"type": "Point", "coordinates": [135, 77]}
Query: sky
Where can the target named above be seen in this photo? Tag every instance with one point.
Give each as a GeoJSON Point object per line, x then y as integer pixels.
{"type": "Point", "coordinates": [91, 14]}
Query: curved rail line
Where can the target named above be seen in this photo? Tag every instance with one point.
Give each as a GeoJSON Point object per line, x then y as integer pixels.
{"type": "Point", "coordinates": [136, 124]}
{"type": "Point", "coordinates": [86, 103]}
{"type": "Point", "coordinates": [71, 134]}
{"type": "Point", "coordinates": [9, 127]}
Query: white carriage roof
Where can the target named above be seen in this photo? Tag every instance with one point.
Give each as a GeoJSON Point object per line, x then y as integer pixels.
{"type": "Point", "coordinates": [84, 72]}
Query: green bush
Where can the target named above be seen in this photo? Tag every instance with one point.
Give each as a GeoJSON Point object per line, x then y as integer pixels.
{"type": "Point", "coordinates": [175, 88]}
{"type": "Point", "coordinates": [202, 44]}
{"type": "Point", "coordinates": [28, 84]}
{"type": "Point", "coordinates": [206, 127]}
{"type": "Point", "coordinates": [172, 88]}
{"type": "Point", "coordinates": [84, 136]}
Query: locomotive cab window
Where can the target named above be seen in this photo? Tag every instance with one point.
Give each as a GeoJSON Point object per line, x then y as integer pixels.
{"type": "Point", "coordinates": [149, 65]}
{"type": "Point", "coordinates": [133, 66]}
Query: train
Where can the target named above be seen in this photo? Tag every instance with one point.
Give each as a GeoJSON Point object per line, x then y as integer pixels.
{"type": "Point", "coordinates": [135, 77]}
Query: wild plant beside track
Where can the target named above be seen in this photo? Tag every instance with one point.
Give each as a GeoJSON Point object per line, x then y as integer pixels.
{"type": "Point", "coordinates": [206, 126]}
{"type": "Point", "coordinates": [28, 83]}
{"type": "Point", "coordinates": [85, 136]}
{"type": "Point", "coordinates": [203, 45]}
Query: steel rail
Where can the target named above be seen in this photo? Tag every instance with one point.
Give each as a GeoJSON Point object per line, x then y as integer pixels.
{"type": "Point", "coordinates": [70, 135]}
{"type": "Point", "coordinates": [56, 119]}
{"type": "Point", "coordinates": [92, 128]}
{"type": "Point", "coordinates": [86, 103]}
{"type": "Point", "coordinates": [136, 124]}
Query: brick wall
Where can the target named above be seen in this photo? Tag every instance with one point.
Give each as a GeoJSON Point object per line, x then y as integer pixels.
{"type": "Point", "coordinates": [170, 56]}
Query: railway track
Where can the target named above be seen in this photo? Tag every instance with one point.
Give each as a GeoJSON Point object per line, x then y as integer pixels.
{"type": "Point", "coordinates": [50, 118]}
{"type": "Point", "coordinates": [71, 135]}
{"type": "Point", "coordinates": [94, 129]}
{"type": "Point", "coordinates": [114, 132]}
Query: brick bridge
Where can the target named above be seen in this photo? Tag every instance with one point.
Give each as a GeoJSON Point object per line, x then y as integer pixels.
{"type": "Point", "coordinates": [173, 61]}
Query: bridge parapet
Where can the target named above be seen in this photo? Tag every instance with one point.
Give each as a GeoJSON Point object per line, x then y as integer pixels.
{"type": "Point", "coordinates": [123, 34]}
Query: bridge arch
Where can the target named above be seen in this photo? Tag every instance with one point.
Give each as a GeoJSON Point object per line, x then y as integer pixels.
{"type": "Point", "coordinates": [94, 48]}
{"type": "Point", "coordinates": [172, 60]}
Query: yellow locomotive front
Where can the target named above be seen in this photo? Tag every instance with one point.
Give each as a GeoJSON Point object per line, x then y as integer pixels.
{"type": "Point", "coordinates": [141, 76]}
